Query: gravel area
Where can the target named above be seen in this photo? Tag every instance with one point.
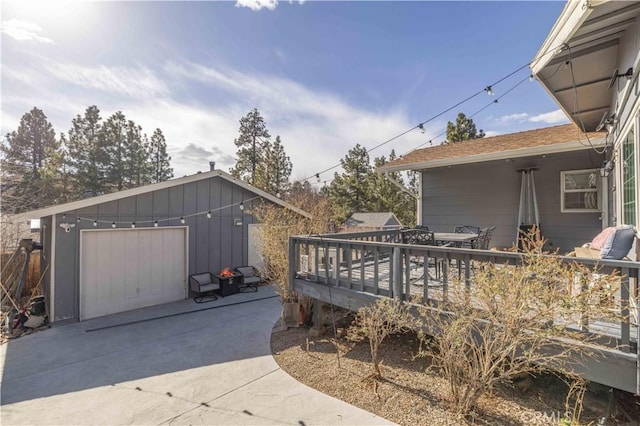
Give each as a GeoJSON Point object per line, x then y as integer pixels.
{"type": "Point", "coordinates": [407, 395]}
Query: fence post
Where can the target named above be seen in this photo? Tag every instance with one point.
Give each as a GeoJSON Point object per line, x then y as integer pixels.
{"type": "Point", "coordinates": [292, 262]}
{"type": "Point", "coordinates": [397, 273]}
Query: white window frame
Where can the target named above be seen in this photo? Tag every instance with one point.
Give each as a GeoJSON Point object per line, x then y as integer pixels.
{"type": "Point", "coordinates": [564, 191]}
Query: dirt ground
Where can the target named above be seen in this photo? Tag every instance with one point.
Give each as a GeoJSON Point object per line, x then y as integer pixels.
{"type": "Point", "coordinates": [407, 395]}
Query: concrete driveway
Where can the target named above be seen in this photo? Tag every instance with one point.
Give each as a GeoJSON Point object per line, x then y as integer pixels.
{"type": "Point", "coordinates": [179, 363]}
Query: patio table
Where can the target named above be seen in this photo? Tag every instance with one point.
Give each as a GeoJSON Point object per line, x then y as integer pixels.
{"type": "Point", "coordinates": [454, 237]}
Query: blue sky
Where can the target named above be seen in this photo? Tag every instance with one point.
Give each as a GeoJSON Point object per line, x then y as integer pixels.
{"type": "Point", "coordinates": [324, 75]}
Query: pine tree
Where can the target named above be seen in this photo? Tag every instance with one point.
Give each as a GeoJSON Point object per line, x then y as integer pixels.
{"type": "Point", "coordinates": [87, 155]}
{"type": "Point", "coordinates": [350, 191]}
{"type": "Point", "coordinates": [25, 154]}
{"type": "Point", "coordinates": [113, 136]}
{"type": "Point", "coordinates": [462, 130]}
{"type": "Point", "coordinates": [388, 197]}
{"type": "Point", "coordinates": [138, 168]}
{"type": "Point", "coordinates": [274, 170]}
{"type": "Point", "coordinates": [250, 143]}
{"type": "Point", "coordinates": [161, 169]}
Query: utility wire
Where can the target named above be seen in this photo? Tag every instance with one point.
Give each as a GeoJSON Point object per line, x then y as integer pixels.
{"type": "Point", "coordinates": [421, 124]}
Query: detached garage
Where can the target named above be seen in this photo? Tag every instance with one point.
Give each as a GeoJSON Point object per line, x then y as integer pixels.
{"type": "Point", "coordinates": [136, 248]}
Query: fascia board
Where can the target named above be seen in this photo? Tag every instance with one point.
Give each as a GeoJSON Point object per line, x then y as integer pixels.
{"type": "Point", "coordinates": [493, 156]}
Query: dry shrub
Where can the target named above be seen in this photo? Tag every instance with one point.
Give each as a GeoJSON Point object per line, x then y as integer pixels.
{"type": "Point", "coordinates": [378, 321]}
{"type": "Point", "coordinates": [278, 224]}
{"type": "Point", "coordinates": [504, 326]}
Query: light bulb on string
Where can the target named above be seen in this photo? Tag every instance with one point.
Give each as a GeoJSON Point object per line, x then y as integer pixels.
{"type": "Point", "coordinates": [133, 224]}
{"type": "Point", "coordinates": [78, 219]}
{"type": "Point", "coordinates": [421, 127]}
{"type": "Point", "coordinates": [489, 90]}
{"type": "Point", "coordinates": [182, 221]}
{"type": "Point", "coordinates": [318, 177]}
{"type": "Point", "coordinates": [241, 205]}
{"type": "Point", "coordinates": [209, 214]}
{"type": "Point", "coordinates": [531, 78]}
{"type": "Point", "coordinates": [95, 223]}
{"type": "Point", "coordinates": [155, 224]}
{"type": "Point", "coordinates": [113, 224]}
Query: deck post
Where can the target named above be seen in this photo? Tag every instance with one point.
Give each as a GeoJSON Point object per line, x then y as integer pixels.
{"type": "Point", "coordinates": [397, 273]}
{"type": "Point", "coordinates": [318, 327]}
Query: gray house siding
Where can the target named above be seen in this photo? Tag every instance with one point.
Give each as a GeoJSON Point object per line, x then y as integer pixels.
{"type": "Point", "coordinates": [488, 194]}
{"type": "Point", "coordinates": [213, 243]}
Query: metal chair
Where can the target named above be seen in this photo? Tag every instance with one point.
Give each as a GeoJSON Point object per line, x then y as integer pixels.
{"type": "Point", "coordinates": [466, 229]}
{"type": "Point", "coordinates": [484, 238]}
{"type": "Point", "coordinates": [204, 284]}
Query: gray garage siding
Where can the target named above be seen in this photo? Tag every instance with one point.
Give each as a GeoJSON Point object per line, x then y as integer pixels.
{"type": "Point", "coordinates": [488, 194]}
{"type": "Point", "coordinates": [213, 243]}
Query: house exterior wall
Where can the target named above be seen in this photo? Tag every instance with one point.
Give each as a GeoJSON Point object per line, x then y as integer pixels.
{"type": "Point", "coordinates": [213, 243]}
{"type": "Point", "coordinates": [626, 104]}
{"type": "Point", "coordinates": [488, 194]}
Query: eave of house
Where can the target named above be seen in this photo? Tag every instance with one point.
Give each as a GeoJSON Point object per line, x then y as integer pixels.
{"type": "Point", "coordinates": [576, 61]}
{"type": "Point", "coordinates": [76, 205]}
{"type": "Point", "coordinates": [499, 155]}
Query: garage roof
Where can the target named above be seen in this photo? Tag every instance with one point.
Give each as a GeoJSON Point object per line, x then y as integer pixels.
{"type": "Point", "coordinates": [513, 145]}
{"type": "Point", "coordinates": [75, 205]}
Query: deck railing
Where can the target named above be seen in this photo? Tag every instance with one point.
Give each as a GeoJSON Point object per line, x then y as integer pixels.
{"type": "Point", "coordinates": [378, 264]}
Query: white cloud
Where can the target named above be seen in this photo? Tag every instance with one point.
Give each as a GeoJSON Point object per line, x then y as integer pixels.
{"type": "Point", "coordinates": [317, 128]}
{"type": "Point", "coordinates": [513, 118]}
{"type": "Point", "coordinates": [262, 4]}
{"type": "Point", "coordinates": [552, 117]}
{"type": "Point", "coordinates": [257, 4]}
{"type": "Point", "coordinates": [133, 82]}
{"type": "Point", "coordinates": [24, 31]}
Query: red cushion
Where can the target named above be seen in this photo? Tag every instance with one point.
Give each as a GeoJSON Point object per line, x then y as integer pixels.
{"type": "Point", "coordinates": [601, 238]}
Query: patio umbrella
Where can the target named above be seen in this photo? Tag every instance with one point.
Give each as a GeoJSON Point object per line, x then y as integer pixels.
{"type": "Point", "coordinates": [528, 215]}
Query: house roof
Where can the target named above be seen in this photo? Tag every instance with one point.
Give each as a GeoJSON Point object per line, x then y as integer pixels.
{"type": "Point", "coordinates": [592, 40]}
{"type": "Point", "coordinates": [372, 220]}
{"type": "Point", "coordinates": [513, 145]}
{"type": "Point", "coordinates": [75, 205]}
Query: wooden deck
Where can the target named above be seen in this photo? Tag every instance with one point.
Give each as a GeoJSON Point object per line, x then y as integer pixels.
{"type": "Point", "coordinates": [353, 270]}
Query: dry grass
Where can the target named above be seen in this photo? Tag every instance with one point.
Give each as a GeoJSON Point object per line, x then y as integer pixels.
{"type": "Point", "coordinates": [409, 396]}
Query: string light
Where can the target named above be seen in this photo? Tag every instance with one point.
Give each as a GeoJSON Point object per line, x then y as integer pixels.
{"type": "Point", "coordinates": [318, 177]}
{"type": "Point", "coordinates": [531, 77]}
{"type": "Point", "coordinates": [421, 127]}
{"type": "Point", "coordinates": [155, 223]}
{"type": "Point", "coordinates": [489, 90]}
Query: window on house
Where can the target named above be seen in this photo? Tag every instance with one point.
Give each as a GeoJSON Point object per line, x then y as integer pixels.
{"type": "Point", "coordinates": [629, 181]}
{"type": "Point", "coordinates": [580, 191]}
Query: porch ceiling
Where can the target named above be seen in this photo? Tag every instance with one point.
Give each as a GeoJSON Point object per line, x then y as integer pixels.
{"type": "Point", "coordinates": [576, 62]}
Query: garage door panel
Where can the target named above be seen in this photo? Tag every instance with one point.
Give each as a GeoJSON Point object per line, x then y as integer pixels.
{"type": "Point", "coordinates": [129, 269]}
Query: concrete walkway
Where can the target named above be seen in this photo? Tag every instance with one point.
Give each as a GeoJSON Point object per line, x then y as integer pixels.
{"type": "Point", "coordinates": [179, 363]}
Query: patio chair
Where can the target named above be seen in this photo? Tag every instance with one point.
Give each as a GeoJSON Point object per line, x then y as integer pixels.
{"type": "Point", "coordinates": [481, 243]}
{"type": "Point", "coordinates": [250, 278]}
{"type": "Point", "coordinates": [466, 229]}
{"type": "Point", "coordinates": [204, 284]}
{"type": "Point", "coordinates": [484, 238]}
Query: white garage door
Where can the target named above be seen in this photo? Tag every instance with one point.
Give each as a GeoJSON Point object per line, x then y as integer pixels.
{"type": "Point", "coordinates": [124, 269]}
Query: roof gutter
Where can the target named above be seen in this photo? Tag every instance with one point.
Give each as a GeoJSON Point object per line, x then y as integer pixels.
{"type": "Point", "coordinates": [492, 156]}
{"type": "Point", "coordinates": [574, 14]}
